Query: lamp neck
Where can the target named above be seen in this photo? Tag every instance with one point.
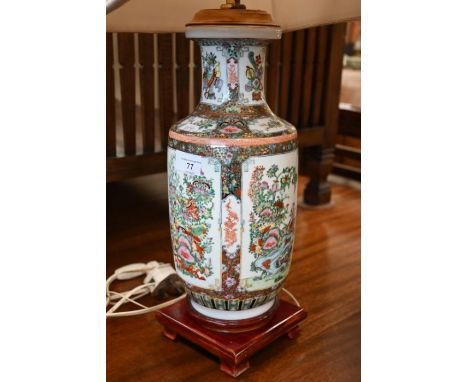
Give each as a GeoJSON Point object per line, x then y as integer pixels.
{"type": "Point", "coordinates": [232, 71]}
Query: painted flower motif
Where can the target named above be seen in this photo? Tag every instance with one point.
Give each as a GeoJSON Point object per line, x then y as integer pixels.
{"type": "Point", "coordinates": [253, 73]}
{"type": "Point", "coordinates": [230, 282]}
{"type": "Point", "coordinates": [256, 96]}
{"type": "Point", "coordinates": [264, 185]}
{"type": "Point", "coordinates": [230, 255]}
{"type": "Point", "coordinates": [185, 254]}
{"type": "Point", "coordinates": [228, 157]}
{"type": "Point", "coordinates": [191, 209]}
{"type": "Point", "coordinates": [258, 59]}
{"type": "Point", "coordinates": [272, 223]}
{"type": "Point", "coordinates": [201, 188]}
{"type": "Point", "coordinates": [266, 212]}
{"type": "Point", "coordinates": [191, 205]}
{"type": "Point", "coordinates": [270, 243]}
{"type": "Point", "coordinates": [228, 296]}
{"type": "Point", "coordinates": [211, 75]}
{"type": "Point", "coordinates": [272, 171]}
{"type": "Point", "coordinates": [230, 130]}
{"type": "Point", "coordinates": [183, 241]}
{"type": "Point", "coordinates": [237, 268]}
{"type": "Point", "coordinates": [279, 204]}
{"type": "Point", "coordinates": [274, 232]}
{"type": "Point", "coordinates": [223, 268]}
{"type": "Point", "coordinates": [265, 228]}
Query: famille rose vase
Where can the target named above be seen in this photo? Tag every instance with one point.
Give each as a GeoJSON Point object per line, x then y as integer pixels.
{"type": "Point", "coordinates": [232, 169]}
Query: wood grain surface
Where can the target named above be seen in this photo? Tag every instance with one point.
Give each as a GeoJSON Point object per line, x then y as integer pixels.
{"type": "Point", "coordinates": [324, 277]}
{"type": "Point", "coordinates": [233, 348]}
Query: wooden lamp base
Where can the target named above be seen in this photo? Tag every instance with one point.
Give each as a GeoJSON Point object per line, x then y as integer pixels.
{"type": "Point", "coordinates": [233, 349]}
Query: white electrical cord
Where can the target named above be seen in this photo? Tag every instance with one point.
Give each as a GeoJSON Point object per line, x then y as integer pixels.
{"type": "Point", "coordinates": [155, 274]}
{"type": "Point", "coordinates": [292, 296]}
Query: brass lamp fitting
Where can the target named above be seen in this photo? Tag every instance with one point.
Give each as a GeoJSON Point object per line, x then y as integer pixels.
{"type": "Point", "coordinates": [233, 4]}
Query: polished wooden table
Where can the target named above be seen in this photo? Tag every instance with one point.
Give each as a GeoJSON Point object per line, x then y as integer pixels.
{"type": "Point", "coordinates": [324, 277]}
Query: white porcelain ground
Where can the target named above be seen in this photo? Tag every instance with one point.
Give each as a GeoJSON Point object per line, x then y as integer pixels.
{"type": "Point", "coordinates": [233, 31]}
{"type": "Point", "coordinates": [232, 315]}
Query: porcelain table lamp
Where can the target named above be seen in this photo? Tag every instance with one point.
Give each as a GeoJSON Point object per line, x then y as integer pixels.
{"type": "Point", "coordinates": [232, 182]}
{"type": "Point", "coordinates": [232, 170]}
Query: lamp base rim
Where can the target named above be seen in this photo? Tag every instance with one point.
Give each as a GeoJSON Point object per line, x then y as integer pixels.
{"type": "Point", "coordinates": [234, 326]}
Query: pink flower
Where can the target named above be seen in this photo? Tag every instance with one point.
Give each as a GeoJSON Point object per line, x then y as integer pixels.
{"type": "Point", "coordinates": [266, 212]}
{"type": "Point", "coordinates": [230, 282]}
{"type": "Point", "coordinates": [230, 130]}
{"type": "Point", "coordinates": [264, 185]}
{"type": "Point", "coordinates": [183, 241]}
{"type": "Point", "coordinates": [274, 232]}
{"type": "Point", "coordinates": [185, 253]}
{"type": "Point", "coordinates": [274, 187]}
{"type": "Point", "coordinates": [270, 243]}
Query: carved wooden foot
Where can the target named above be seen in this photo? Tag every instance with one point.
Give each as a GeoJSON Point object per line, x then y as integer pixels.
{"type": "Point", "coordinates": [233, 369]}
{"type": "Point", "coordinates": [232, 349]}
{"type": "Point", "coordinates": [169, 334]}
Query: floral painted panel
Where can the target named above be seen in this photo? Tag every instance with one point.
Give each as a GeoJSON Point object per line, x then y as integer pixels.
{"type": "Point", "coordinates": [194, 124]}
{"type": "Point", "coordinates": [194, 210]}
{"type": "Point", "coordinates": [213, 76]}
{"type": "Point", "coordinates": [232, 70]}
{"type": "Point", "coordinates": [231, 224]}
{"type": "Point", "coordinates": [269, 125]}
{"type": "Point", "coordinates": [269, 196]}
{"type": "Point", "coordinates": [252, 75]}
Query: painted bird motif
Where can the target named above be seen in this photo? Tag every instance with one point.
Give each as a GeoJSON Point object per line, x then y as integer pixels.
{"type": "Point", "coordinates": [192, 209]}
{"type": "Point", "coordinates": [212, 79]}
{"type": "Point", "coordinates": [271, 263]}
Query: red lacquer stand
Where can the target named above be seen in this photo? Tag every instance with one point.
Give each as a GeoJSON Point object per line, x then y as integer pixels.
{"type": "Point", "coordinates": [233, 349]}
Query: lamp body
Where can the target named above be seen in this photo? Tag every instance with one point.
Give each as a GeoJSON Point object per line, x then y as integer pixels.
{"type": "Point", "coordinates": [232, 178]}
